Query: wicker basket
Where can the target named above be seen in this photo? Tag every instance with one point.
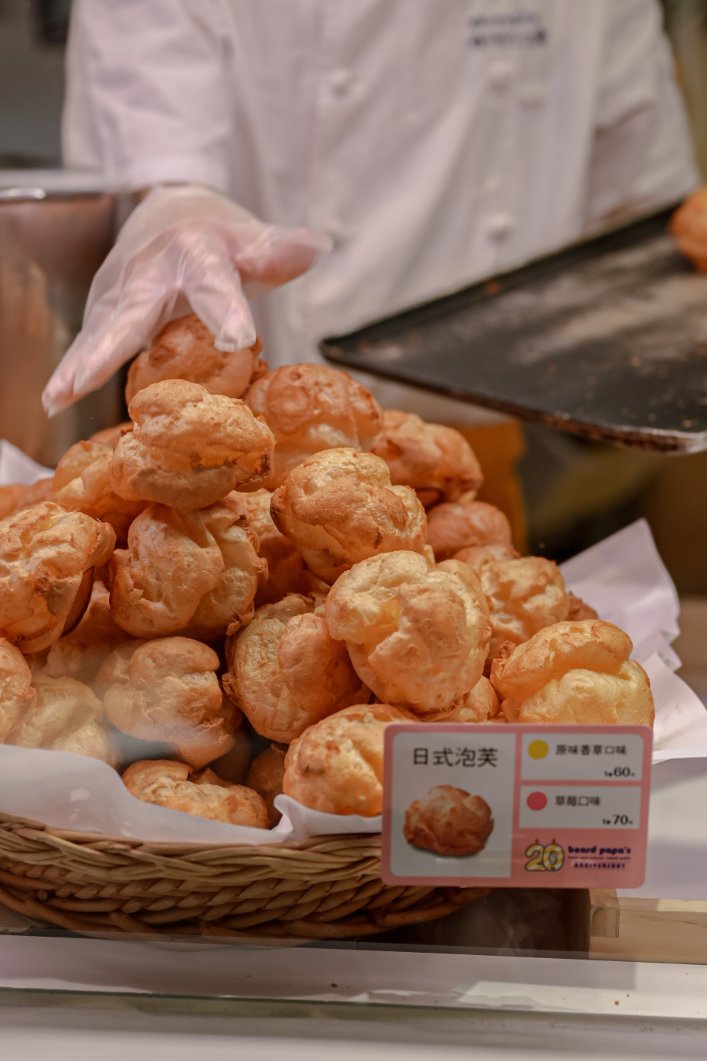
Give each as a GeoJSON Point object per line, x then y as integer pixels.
{"type": "Point", "coordinates": [327, 888]}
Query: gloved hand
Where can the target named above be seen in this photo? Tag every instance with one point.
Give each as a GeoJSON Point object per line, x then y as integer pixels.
{"type": "Point", "coordinates": [183, 242]}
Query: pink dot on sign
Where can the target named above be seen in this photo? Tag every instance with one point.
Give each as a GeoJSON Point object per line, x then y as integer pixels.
{"type": "Point", "coordinates": [537, 800]}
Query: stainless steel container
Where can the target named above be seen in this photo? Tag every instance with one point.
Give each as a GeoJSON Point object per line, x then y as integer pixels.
{"type": "Point", "coordinates": [55, 230]}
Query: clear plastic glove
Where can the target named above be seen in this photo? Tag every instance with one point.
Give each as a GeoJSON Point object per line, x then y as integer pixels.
{"type": "Point", "coordinates": [181, 243]}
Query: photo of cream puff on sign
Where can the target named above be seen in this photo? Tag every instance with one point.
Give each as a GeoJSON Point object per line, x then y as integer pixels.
{"type": "Point", "coordinates": [448, 821]}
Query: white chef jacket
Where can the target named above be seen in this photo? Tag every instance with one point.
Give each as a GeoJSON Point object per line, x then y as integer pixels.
{"type": "Point", "coordinates": [437, 141]}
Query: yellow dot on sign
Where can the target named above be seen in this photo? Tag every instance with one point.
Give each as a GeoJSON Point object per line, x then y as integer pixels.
{"type": "Point", "coordinates": [538, 749]}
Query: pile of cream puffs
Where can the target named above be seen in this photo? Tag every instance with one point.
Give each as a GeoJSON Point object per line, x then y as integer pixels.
{"type": "Point", "coordinates": [232, 595]}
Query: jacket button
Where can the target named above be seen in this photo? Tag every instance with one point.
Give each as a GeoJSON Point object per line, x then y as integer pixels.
{"type": "Point", "coordinates": [532, 94]}
{"type": "Point", "coordinates": [499, 224]}
{"type": "Point", "coordinates": [500, 73]}
{"type": "Point", "coordinates": [340, 81]}
{"type": "Point", "coordinates": [337, 230]}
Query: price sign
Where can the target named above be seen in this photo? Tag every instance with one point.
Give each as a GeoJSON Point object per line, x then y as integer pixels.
{"type": "Point", "coordinates": [518, 806]}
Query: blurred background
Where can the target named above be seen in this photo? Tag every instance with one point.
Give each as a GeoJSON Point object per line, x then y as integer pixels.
{"type": "Point", "coordinates": [32, 40]}
{"type": "Point", "coordinates": [576, 492]}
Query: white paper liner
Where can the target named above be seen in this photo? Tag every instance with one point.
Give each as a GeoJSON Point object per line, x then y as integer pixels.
{"type": "Point", "coordinates": [306, 822]}
{"type": "Point", "coordinates": [680, 730]}
{"type": "Point", "coordinates": [84, 795]}
{"type": "Point", "coordinates": [622, 577]}
{"type": "Point", "coordinates": [17, 467]}
{"type": "Point", "coordinates": [625, 580]}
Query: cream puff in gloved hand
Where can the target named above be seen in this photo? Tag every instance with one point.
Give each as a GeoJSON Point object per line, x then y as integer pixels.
{"type": "Point", "coordinates": [184, 246]}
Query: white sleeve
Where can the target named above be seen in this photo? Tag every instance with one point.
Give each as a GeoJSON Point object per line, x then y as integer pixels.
{"type": "Point", "coordinates": [147, 91]}
{"type": "Point", "coordinates": [642, 155]}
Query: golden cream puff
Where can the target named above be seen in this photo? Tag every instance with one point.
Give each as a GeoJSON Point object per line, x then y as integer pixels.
{"type": "Point", "coordinates": [456, 525]}
{"type": "Point", "coordinates": [65, 716]}
{"type": "Point", "coordinates": [480, 704]}
{"type": "Point", "coordinates": [574, 672]}
{"type": "Point", "coordinates": [265, 776]}
{"type": "Point", "coordinates": [16, 693]}
{"type": "Point", "coordinates": [185, 349]}
{"type": "Point", "coordinates": [167, 691]}
{"type": "Point", "coordinates": [310, 408]}
{"type": "Point", "coordinates": [339, 507]}
{"type": "Point", "coordinates": [81, 653]}
{"type": "Point", "coordinates": [286, 671]}
{"type": "Point", "coordinates": [336, 766]}
{"type": "Point", "coordinates": [417, 634]}
{"type": "Point", "coordinates": [688, 226]}
{"type": "Point", "coordinates": [47, 557]}
{"type": "Point", "coordinates": [448, 821]}
{"type": "Point", "coordinates": [523, 595]}
{"type": "Point", "coordinates": [188, 447]}
{"type": "Point", "coordinates": [287, 571]}
{"type": "Point", "coordinates": [177, 786]}
{"type": "Point", "coordinates": [437, 461]}
{"type": "Point", "coordinates": [82, 483]}
{"type": "Point", "coordinates": [17, 496]}
{"type": "Point", "coordinates": [190, 572]}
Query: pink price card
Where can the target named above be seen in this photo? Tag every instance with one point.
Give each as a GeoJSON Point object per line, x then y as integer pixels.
{"type": "Point", "coordinates": [515, 805]}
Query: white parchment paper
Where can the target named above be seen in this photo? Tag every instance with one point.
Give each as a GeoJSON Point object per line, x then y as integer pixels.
{"type": "Point", "coordinates": [622, 577]}
{"type": "Point", "coordinates": [17, 467]}
{"type": "Point", "coordinates": [84, 795]}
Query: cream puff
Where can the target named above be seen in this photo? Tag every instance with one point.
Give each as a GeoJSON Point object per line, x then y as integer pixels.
{"type": "Point", "coordinates": [16, 693]}
{"type": "Point", "coordinates": [437, 461]}
{"type": "Point", "coordinates": [523, 595]}
{"type": "Point", "coordinates": [108, 436]}
{"type": "Point", "coordinates": [480, 704]}
{"type": "Point", "coordinates": [177, 786]}
{"type": "Point", "coordinates": [81, 653]}
{"type": "Point", "coordinates": [287, 571]}
{"type": "Point", "coordinates": [65, 716]}
{"type": "Point", "coordinates": [286, 671]}
{"type": "Point", "coordinates": [688, 227]}
{"type": "Point", "coordinates": [310, 408]}
{"type": "Point", "coordinates": [579, 609]}
{"type": "Point", "coordinates": [188, 447]}
{"type": "Point", "coordinates": [339, 507]}
{"type": "Point", "coordinates": [574, 672]}
{"type": "Point", "coordinates": [167, 691]}
{"type": "Point", "coordinates": [82, 483]}
{"type": "Point", "coordinates": [186, 572]}
{"type": "Point", "coordinates": [17, 496]}
{"type": "Point", "coordinates": [448, 821]}
{"type": "Point", "coordinates": [476, 556]}
{"type": "Point", "coordinates": [47, 557]}
{"type": "Point", "coordinates": [185, 349]}
{"type": "Point", "coordinates": [265, 776]}
{"type": "Point", "coordinates": [417, 634]}
{"type": "Point", "coordinates": [336, 766]}
{"type": "Point", "coordinates": [456, 525]}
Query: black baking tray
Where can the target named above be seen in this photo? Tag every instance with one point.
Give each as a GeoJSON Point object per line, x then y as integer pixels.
{"type": "Point", "coordinates": [606, 339]}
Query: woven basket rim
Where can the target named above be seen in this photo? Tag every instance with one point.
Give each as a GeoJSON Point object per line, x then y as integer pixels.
{"type": "Point", "coordinates": [174, 847]}
{"type": "Point", "coordinates": [326, 887]}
